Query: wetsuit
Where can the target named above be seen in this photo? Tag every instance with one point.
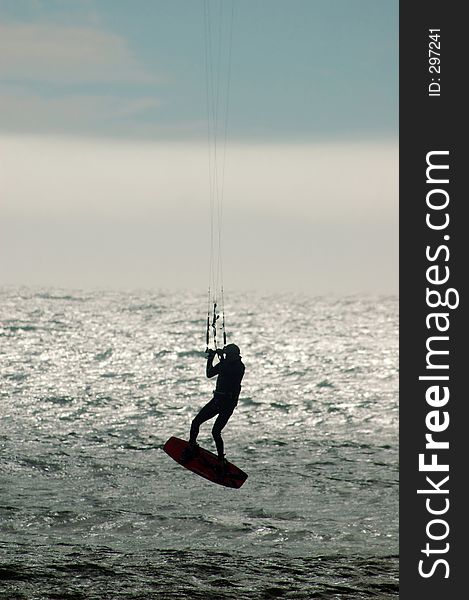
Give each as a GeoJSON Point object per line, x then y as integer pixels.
{"type": "Point", "coordinates": [230, 372]}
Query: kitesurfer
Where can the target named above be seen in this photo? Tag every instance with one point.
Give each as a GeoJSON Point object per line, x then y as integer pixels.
{"type": "Point", "coordinates": [230, 371]}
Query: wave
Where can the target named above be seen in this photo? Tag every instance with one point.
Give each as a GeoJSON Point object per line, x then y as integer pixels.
{"type": "Point", "coordinates": [52, 296]}
{"type": "Point", "coordinates": [69, 570]}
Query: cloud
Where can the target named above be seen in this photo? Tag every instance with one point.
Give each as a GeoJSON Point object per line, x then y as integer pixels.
{"type": "Point", "coordinates": [329, 182]}
{"type": "Point", "coordinates": [59, 79]}
{"type": "Point", "coordinates": [23, 110]}
{"type": "Point", "coordinates": [49, 53]}
{"type": "Point", "coordinates": [307, 216]}
{"type": "Point", "coordinates": [340, 181]}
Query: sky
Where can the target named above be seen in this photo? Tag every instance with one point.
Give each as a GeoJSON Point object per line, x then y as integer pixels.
{"type": "Point", "coordinates": [105, 157]}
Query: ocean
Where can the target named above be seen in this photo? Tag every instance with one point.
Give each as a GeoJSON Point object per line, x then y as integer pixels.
{"type": "Point", "coordinates": [93, 383]}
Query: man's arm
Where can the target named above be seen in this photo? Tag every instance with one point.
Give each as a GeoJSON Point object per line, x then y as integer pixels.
{"type": "Point", "coordinates": [212, 370]}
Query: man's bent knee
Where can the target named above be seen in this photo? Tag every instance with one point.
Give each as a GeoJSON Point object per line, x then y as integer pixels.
{"type": "Point", "coordinates": [216, 432]}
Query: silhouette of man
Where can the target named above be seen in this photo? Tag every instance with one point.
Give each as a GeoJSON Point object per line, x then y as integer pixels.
{"type": "Point", "coordinates": [230, 371]}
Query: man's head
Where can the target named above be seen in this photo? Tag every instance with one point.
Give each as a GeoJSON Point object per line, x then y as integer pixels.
{"type": "Point", "coordinates": [232, 352]}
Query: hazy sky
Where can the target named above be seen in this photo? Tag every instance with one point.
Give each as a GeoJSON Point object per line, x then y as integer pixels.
{"type": "Point", "coordinates": [104, 168]}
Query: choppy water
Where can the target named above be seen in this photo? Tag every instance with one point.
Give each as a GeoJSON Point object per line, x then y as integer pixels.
{"type": "Point", "coordinates": [91, 386]}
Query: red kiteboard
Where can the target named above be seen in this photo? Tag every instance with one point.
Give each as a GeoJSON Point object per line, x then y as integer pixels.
{"type": "Point", "coordinates": [205, 464]}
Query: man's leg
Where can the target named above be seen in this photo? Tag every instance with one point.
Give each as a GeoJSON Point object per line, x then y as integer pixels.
{"type": "Point", "coordinates": [220, 422]}
{"type": "Point", "coordinates": [206, 412]}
